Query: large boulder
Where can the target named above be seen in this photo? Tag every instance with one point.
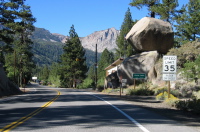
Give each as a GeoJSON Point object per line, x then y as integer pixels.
{"type": "Point", "coordinates": [150, 34]}
{"type": "Point", "coordinates": [6, 86]}
{"type": "Point", "coordinates": [139, 63]}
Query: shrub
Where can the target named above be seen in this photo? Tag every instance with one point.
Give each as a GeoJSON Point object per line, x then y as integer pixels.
{"type": "Point", "coordinates": [182, 105]}
{"type": "Point", "coordinates": [186, 90]}
{"type": "Point", "coordinates": [175, 92]}
{"type": "Point", "coordinates": [129, 91]}
{"type": "Point", "coordinates": [140, 91]}
{"type": "Point", "coordinates": [164, 96]}
{"type": "Point", "coordinates": [172, 100]}
{"type": "Point", "coordinates": [87, 83]}
{"type": "Point", "coordinates": [196, 95]}
{"type": "Point", "coordinates": [160, 90]}
{"type": "Point", "coordinates": [189, 105]}
{"type": "Point", "coordinates": [184, 53]}
{"type": "Point", "coordinates": [100, 84]}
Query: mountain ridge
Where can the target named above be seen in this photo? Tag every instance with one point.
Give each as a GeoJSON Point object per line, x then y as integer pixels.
{"type": "Point", "coordinates": [103, 38]}
{"type": "Point", "coordinates": [49, 45]}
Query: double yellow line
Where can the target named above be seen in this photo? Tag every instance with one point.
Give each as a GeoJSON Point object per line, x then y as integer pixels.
{"type": "Point", "coordinates": [25, 118]}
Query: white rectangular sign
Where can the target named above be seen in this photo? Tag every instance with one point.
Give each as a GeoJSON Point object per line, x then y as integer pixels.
{"type": "Point", "coordinates": [169, 64]}
{"type": "Point", "coordinates": [169, 77]}
{"type": "Point", "coordinates": [34, 78]}
{"type": "Point", "coordinates": [124, 80]}
{"type": "Point", "coordinates": [123, 84]}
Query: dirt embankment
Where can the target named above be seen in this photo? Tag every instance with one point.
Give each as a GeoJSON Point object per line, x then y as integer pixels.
{"type": "Point", "coordinates": [6, 86]}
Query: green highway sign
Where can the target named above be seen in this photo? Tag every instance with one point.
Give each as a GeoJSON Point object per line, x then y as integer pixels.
{"type": "Point", "coordinates": [139, 75]}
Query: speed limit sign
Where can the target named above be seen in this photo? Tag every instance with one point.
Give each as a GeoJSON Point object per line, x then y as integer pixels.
{"type": "Point", "coordinates": [169, 67]}
{"type": "Point", "coordinates": [169, 64]}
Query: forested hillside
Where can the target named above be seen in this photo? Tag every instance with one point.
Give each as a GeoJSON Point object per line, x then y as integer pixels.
{"type": "Point", "coordinates": [48, 47]}
{"type": "Point", "coordinates": [46, 52]}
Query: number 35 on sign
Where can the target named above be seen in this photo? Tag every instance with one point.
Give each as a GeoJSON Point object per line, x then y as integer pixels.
{"type": "Point", "coordinates": [169, 64]}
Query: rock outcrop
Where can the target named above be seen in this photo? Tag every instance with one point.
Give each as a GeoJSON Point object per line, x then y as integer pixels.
{"type": "Point", "coordinates": [6, 86]}
{"type": "Point", "coordinates": [103, 39]}
{"type": "Point", "coordinates": [151, 38]}
{"type": "Point", "coordinates": [139, 63]}
{"type": "Point", "coordinates": [150, 34]}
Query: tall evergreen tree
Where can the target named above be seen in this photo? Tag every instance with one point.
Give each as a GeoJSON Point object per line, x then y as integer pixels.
{"type": "Point", "coordinates": [8, 16]}
{"type": "Point", "coordinates": [149, 3]}
{"type": "Point", "coordinates": [166, 10]}
{"type": "Point", "coordinates": [45, 74]}
{"type": "Point", "coordinates": [91, 73]}
{"type": "Point", "coordinates": [54, 76]}
{"type": "Point", "coordinates": [125, 48]}
{"type": "Point", "coordinates": [17, 25]}
{"type": "Point", "coordinates": [105, 60]}
{"type": "Point", "coordinates": [73, 61]}
{"type": "Point", "coordinates": [188, 23]}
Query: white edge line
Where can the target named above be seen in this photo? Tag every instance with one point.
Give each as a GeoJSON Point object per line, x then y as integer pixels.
{"type": "Point", "coordinates": [130, 118]}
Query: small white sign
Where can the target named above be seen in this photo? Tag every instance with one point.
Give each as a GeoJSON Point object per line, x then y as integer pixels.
{"type": "Point", "coordinates": [124, 80]}
{"type": "Point", "coordinates": [169, 77]}
{"type": "Point", "coordinates": [34, 78]}
{"type": "Point", "coordinates": [169, 64]}
{"type": "Point", "coordinates": [123, 84]}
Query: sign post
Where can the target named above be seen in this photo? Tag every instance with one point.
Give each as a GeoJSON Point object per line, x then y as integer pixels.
{"type": "Point", "coordinates": [123, 83]}
{"type": "Point", "coordinates": [169, 69]}
{"type": "Point", "coordinates": [138, 76]}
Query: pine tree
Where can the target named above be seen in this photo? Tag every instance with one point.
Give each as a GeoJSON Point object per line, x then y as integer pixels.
{"type": "Point", "coordinates": [91, 73]}
{"type": "Point", "coordinates": [125, 48]}
{"type": "Point", "coordinates": [54, 76]}
{"type": "Point", "coordinates": [8, 16]}
{"type": "Point", "coordinates": [44, 74]}
{"type": "Point", "coordinates": [149, 3]}
{"type": "Point", "coordinates": [166, 10]}
{"type": "Point", "coordinates": [17, 22]}
{"type": "Point", "coordinates": [191, 69]}
{"type": "Point", "coordinates": [188, 23]}
{"type": "Point", "coordinates": [73, 61]}
{"type": "Point", "coordinates": [105, 60]}
{"type": "Point", "coordinates": [90, 80]}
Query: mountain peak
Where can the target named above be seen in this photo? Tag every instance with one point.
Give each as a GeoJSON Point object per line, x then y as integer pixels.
{"type": "Point", "coordinates": [103, 39]}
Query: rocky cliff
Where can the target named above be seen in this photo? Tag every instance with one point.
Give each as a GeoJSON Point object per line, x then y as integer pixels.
{"type": "Point", "coordinates": [6, 86]}
{"type": "Point", "coordinates": [103, 39]}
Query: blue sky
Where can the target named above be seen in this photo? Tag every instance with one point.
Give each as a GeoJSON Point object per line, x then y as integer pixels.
{"type": "Point", "coordinates": [88, 16]}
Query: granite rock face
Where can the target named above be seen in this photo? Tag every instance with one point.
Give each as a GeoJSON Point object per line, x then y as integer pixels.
{"type": "Point", "coordinates": [150, 34]}
{"type": "Point", "coordinates": [103, 39]}
{"type": "Point", "coordinates": [139, 63]}
{"type": "Point", "coordinates": [6, 86]}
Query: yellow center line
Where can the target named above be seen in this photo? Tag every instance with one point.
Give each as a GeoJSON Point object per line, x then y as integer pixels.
{"type": "Point", "coordinates": [25, 118]}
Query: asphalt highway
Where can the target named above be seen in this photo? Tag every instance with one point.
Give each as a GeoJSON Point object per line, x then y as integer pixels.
{"type": "Point", "coordinates": [45, 109]}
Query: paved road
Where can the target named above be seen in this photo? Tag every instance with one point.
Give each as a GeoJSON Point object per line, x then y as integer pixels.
{"type": "Point", "coordinates": [69, 110]}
